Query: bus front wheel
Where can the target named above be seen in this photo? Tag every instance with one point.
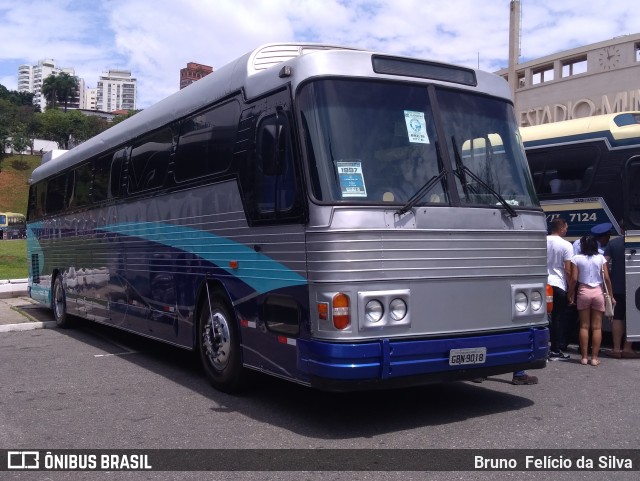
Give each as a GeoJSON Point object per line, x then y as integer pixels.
{"type": "Point", "coordinates": [219, 345]}
{"type": "Point", "coordinates": [59, 304]}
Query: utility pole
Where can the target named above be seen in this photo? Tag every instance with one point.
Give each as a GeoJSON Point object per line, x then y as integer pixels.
{"type": "Point", "coordinates": [514, 46]}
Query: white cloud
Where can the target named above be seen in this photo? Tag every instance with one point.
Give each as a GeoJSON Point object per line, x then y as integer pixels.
{"type": "Point", "coordinates": [155, 39]}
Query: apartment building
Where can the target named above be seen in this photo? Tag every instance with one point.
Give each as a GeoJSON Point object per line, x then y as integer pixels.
{"type": "Point", "coordinates": [193, 72]}
{"type": "Point", "coordinates": [31, 78]}
{"type": "Point", "coordinates": [90, 99]}
{"type": "Point", "coordinates": [116, 90]}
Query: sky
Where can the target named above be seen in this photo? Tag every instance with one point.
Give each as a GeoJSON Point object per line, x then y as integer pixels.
{"type": "Point", "coordinates": [154, 39]}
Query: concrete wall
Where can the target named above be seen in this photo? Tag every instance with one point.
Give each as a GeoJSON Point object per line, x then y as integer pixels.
{"type": "Point", "coordinates": [608, 81]}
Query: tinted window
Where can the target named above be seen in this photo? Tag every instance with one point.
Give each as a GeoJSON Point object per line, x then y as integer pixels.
{"type": "Point", "coordinates": [37, 196]}
{"type": "Point", "coordinates": [101, 169]}
{"type": "Point", "coordinates": [81, 186]}
{"type": "Point", "coordinates": [56, 194]}
{"type": "Point", "coordinates": [150, 161]}
{"type": "Point", "coordinates": [274, 181]}
{"type": "Point", "coordinates": [107, 176]}
{"type": "Point", "coordinates": [206, 142]}
{"type": "Point", "coordinates": [563, 170]}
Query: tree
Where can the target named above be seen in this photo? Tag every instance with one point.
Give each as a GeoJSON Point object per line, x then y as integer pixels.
{"type": "Point", "coordinates": [56, 127]}
{"type": "Point", "coordinates": [94, 125]}
{"type": "Point", "coordinates": [18, 119]}
{"type": "Point", "coordinates": [60, 88]}
{"type": "Point", "coordinates": [19, 140]}
{"type": "Point", "coordinates": [31, 121]}
{"type": "Point", "coordinates": [67, 88]}
{"type": "Point", "coordinates": [69, 128]}
{"type": "Point", "coordinates": [119, 118]}
{"type": "Point", "coordinates": [50, 90]}
{"type": "Point", "coordinates": [18, 98]}
{"type": "Point", "coordinates": [7, 116]}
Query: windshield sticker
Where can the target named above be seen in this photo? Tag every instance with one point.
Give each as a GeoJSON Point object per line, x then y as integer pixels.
{"type": "Point", "coordinates": [351, 179]}
{"type": "Point", "coordinates": [416, 127]}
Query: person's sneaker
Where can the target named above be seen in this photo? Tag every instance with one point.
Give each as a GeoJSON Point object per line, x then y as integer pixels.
{"type": "Point", "coordinates": [558, 356]}
{"type": "Point", "coordinates": [525, 379]}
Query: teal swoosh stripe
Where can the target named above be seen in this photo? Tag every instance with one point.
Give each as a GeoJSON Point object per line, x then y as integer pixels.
{"type": "Point", "coordinates": [257, 270]}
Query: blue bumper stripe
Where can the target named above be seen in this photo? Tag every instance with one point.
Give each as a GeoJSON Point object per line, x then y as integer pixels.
{"type": "Point", "coordinates": [389, 359]}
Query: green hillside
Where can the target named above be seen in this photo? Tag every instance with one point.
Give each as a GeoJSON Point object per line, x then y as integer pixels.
{"type": "Point", "coordinates": [13, 259]}
{"type": "Point", "coordinates": [14, 192]}
{"type": "Point", "coordinates": [14, 182]}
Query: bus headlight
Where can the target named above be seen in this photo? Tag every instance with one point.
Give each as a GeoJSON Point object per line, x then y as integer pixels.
{"type": "Point", "coordinates": [374, 310]}
{"type": "Point", "coordinates": [520, 301]}
{"type": "Point", "coordinates": [528, 301]}
{"type": "Point", "coordinates": [397, 309]}
{"type": "Point", "coordinates": [536, 301]}
{"type": "Point", "coordinates": [378, 310]}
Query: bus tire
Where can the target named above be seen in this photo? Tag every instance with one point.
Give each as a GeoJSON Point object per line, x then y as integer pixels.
{"type": "Point", "coordinates": [219, 345]}
{"type": "Point", "coordinates": [59, 304]}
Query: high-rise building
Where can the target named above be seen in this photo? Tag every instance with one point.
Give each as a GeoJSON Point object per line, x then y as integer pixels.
{"type": "Point", "coordinates": [31, 77]}
{"type": "Point", "coordinates": [116, 91]}
{"type": "Point", "coordinates": [193, 72]}
{"type": "Point", "coordinates": [90, 96]}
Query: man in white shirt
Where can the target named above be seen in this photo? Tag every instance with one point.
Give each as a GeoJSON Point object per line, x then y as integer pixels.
{"type": "Point", "coordinates": [559, 254]}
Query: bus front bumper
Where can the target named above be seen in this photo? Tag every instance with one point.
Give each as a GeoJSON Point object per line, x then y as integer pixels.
{"type": "Point", "coordinates": [397, 363]}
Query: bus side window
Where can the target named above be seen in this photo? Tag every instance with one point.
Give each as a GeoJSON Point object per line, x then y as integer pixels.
{"type": "Point", "coordinates": [56, 194]}
{"type": "Point", "coordinates": [206, 142]}
{"type": "Point", "coordinates": [150, 161]}
{"type": "Point", "coordinates": [81, 187]}
{"type": "Point", "coordinates": [101, 176]}
{"type": "Point", "coordinates": [274, 180]}
{"type": "Point", "coordinates": [35, 208]}
{"type": "Point", "coordinates": [115, 173]}
{"type": "Point", "coordinates": [567, 171]}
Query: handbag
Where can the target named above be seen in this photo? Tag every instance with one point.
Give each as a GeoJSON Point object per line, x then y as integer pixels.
{"type": "Point", "coordinates": [608, 305]}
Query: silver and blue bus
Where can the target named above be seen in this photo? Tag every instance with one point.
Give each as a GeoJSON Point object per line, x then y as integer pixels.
{"type": "Point", "coordinates": [335, 217]}
{"type": "Point", "coordinates": [587, 171]}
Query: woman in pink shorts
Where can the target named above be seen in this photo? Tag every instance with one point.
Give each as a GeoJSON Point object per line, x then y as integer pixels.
{"type": "Point", "coordinates": [589, 270]}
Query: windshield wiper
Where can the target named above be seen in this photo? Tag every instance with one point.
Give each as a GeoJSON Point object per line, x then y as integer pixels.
{"type": "Point", "coordinates": [422, 191]}
{"type": "Point", "coordinates": [462, 170]}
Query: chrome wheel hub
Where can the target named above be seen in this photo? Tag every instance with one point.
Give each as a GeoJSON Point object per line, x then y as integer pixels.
{"type": "Point", "coordinates": [216, 340]}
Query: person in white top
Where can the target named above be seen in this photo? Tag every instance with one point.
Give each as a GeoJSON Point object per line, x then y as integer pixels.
{"type": "Point", "coordinates": [559, 254]}
{"type": "Point", "coordinates": [589, 270]}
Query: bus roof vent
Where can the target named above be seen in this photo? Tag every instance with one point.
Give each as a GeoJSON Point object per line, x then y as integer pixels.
{"type": "Point", "coordinates": [273, 54]}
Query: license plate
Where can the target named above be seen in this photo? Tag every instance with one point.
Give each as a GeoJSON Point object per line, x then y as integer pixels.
{"type": "Point", "coordinates": [474, 355]}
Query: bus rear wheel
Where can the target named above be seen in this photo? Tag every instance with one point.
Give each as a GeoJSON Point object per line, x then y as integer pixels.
{"type": "Point", "coordinates": [219, 345]}
{"type": "Point", "coordinates": [59, 304]}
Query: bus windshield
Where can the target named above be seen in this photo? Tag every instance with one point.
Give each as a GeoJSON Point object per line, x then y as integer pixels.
{"type": "Point", "coordinates": [376, 142]}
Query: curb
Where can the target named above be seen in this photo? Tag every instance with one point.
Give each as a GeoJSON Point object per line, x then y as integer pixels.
{"type": "Point", "coordinates": [13, 288]}
{"type": "Point", "coordinates": [27, 326]}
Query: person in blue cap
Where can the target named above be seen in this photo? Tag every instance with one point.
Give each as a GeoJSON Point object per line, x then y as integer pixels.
{"type": "Point", "coordinates": [602, 233]}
